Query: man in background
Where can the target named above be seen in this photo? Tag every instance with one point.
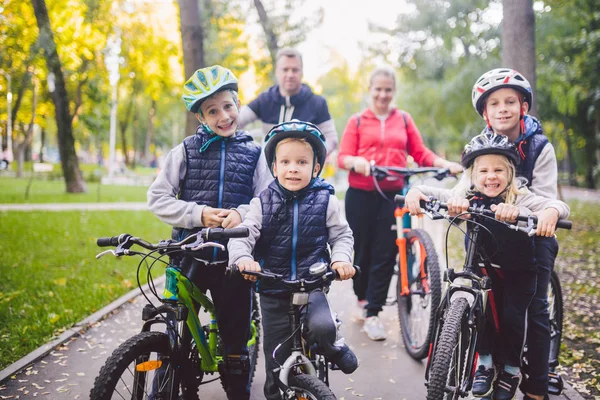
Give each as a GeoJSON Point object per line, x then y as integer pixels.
{"type": "Point", "coordinates": [290, 99]}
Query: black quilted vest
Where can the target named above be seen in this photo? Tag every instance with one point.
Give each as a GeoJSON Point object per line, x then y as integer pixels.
{"type": "Point", "coordinates": [294, 234]}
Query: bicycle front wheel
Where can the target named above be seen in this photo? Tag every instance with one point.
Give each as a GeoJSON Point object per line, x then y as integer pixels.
{"type": "Point", "coordinates": [254, 342]}
{"type": "Point", "coordinates": [416, 311]}
{"type": "Point", "coordinates": [449, 366]}
{"type": "Point", "coordinates": [142, 368]}
{"type": "Point", "coordinates": [310, 387]}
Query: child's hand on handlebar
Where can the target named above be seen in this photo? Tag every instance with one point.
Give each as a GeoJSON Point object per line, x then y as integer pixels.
{"type": "Point", "coordinates": [546, 224]}
{"type": "Point", "coordinates": [232, 219]}
{"type": "Point", "coordinates": [249, 265]}
{"type": "Point", "coordinates": [413, 199]}
{"type": "Point", "coordinates": [457, 205]}
{"type": "Point", "coordinates": [505, 212]}
{"type": "Point", "coordinates": [344, 269]}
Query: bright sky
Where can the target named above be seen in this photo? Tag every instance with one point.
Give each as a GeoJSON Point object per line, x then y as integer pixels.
{"type": "Point", "coordinates": [344, 28]}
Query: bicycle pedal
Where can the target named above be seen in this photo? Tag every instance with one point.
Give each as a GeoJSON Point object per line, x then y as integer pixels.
{"type": "Point", "coordinates": [555, 384]}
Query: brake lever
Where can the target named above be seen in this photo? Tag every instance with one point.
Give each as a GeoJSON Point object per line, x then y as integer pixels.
{"type": "Point", "coordinates": [105, 252]}
{"type": "Point", "coordinates": [202, 246]}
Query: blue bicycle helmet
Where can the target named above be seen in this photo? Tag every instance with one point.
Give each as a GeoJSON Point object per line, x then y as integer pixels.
{"type": "Point", "coordinates": [296, 129]}
{"type": "Point", "coordinates": [489, 143]}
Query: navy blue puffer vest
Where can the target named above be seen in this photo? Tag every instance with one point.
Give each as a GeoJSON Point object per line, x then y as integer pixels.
{"type": "Point", "coordinates": [530, 147]}
{"type": "Point", "coordinates": [294, 233]}
{"type": "Point", "coordinates": [220, 176]}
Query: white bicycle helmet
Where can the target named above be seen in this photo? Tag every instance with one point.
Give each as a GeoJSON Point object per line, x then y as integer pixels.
{"type": "Point", "coordinates": [499, 78]}
{"type": "Point", "coordinates": [204, 83]}
{"type": "Point", "coordinates": [489, 143]}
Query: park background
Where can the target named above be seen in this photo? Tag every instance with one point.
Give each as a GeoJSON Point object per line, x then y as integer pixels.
{"type": "Point", "coordinates": [90, 92]}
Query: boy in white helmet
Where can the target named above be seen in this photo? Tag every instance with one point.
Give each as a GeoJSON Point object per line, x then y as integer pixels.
{"type": "Point", "coordinates": [204, 182]}
{"type": "Point", "coordinates": [503, 98]}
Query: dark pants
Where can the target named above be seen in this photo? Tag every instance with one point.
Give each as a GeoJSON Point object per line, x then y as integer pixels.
{"type": "Point", "coordinates": [371, 217]}
{"type": "Point", "coordinates": [512, 295]}
{"type": "Point", "coordinates": [538, 329]}
{"type": "Point", "coordinates": [232, 297]}
{"type": "Point", "coordinates": [319, 328]}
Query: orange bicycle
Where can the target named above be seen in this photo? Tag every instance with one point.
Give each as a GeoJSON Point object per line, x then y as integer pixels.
{"type": "Point", "coordinates": [419, 288]}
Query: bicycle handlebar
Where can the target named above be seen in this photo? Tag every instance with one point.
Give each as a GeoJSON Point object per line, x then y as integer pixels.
{"type": "Point", "coordinates": [206, 234]}
{"type": "Point", "coordinates": [381, 172]}
{"type": "Point", "coordinates": [307, 284]}
{"type": "Point", "coordinates": [435, 205]}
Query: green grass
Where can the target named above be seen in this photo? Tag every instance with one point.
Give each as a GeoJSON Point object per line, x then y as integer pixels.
{"type": "Point", "coordinates": [12, 190]}
{"type": "Point", "coordinates": [579, 270]}
{"type": "Point", "coordinates": [50, 277]}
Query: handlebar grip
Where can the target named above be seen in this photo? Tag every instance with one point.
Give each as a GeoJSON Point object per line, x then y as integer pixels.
{"type": "Point", "coordinates": [564, 224]}
{"type": "Point", "coordinates": [226, 233]}
{"type": "Point", "coordinates": [400, 200]}
{"type": "Point", "coordinates": [108, 241]}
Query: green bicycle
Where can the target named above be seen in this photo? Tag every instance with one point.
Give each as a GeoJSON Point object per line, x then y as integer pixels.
{"type": "Point", "coordinates": [172, 364]}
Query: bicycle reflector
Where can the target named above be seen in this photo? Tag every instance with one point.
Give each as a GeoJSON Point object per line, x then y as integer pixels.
{"type": "Point", "coordinates": [148, 366]}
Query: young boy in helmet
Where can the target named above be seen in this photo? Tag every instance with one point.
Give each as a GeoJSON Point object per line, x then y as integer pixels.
{"type": "Point", "coordinates": [203, 183]}
{"type": "Point", "coordinates": [503, 97]}
{"type": "Point", "coordinates": [291, 225]}
{"type": "Point", "coordinates": [491, 163]}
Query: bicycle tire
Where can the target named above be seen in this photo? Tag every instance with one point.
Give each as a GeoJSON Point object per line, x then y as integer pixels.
{"type": "Point", "coordinates": [448, 368]}
{"type": "Point", "coordinates": [118, 373]}
{"type": "Point", "coordinates": [417, 311]}
{"type": "Point", "coordinates": [253, 349]}
{"type": "Point", "coordinates": [555, 304]}
{"type": "Point", "coordinates": [310, 387]}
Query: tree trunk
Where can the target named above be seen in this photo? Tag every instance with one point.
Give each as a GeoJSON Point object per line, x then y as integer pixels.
{"type": "Point", "coordinates": [123, 124]}
{"type": "Point", "coordinates": [192, 40]}
{"type": "Point", "coordinates": [148, 155]}
{"type": "Point", "coordinates": [42, 144]}
{"type": "Point", "coordinates": [518, 40]}
{"type": "Point", "coordinates": [66, 143]}
{"type": "Point", "coordinates": [265, 22]}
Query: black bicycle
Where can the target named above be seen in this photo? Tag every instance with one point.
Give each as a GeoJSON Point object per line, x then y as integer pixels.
{"type": "Point", "coordinates": [461, 315]}
{"type": "Point", "coordinates": [305, 373]}
{"type": "Point", "coordinates": [419, 287]}
{"type": "Point", "coordinates": [171, 365]}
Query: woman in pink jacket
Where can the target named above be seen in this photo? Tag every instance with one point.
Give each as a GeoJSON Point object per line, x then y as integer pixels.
{"type": "Point", "coordinates": [385, 135]}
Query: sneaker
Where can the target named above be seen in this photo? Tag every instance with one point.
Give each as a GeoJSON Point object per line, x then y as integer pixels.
{"type": "Point", "coordinates": [374, 328]}
{"type": "Point", "coordinates": [346, 360]}
{"type": "Point", "coordinates": [506, 386]}
{"type": "Point", "coordinates": [361, 311]}
{"type": "Point", "coordinates": [483, 381]}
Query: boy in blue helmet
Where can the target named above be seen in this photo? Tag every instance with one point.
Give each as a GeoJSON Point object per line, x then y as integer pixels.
{"type": "Point", "coordinates": [291, 225]}
{"type": "Point", "coordinates": [206, 182]}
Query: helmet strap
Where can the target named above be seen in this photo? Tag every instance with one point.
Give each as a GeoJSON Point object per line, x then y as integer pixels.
{"type": "Point", "coordinates": [487, 120]}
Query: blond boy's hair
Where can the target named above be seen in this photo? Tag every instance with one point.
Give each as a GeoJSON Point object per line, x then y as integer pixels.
{"type": "Point", "coordinates": [293, 139]}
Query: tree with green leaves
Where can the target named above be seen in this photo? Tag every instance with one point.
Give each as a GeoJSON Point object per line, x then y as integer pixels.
{"type": "Point", "coordinates": [568, 87]}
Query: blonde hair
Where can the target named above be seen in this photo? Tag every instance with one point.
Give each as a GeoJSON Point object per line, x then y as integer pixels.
{"type": "Point", "coordinates": [515, 184]}
{"type": "Point", "coordinates": [293, 139]}
{"type": "Point", "coordinates": [384, 70]}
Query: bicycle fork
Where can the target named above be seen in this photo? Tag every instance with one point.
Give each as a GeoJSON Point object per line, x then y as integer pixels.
{"type": "Point", "coordinates": [400, 214]}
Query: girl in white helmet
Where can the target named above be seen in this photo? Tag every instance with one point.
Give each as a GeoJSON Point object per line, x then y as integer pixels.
{"type": "Point", "coordinates": [503, 97]}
